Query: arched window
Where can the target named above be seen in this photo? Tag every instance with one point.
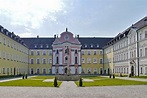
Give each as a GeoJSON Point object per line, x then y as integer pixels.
{"type": "Point", "coordinates": [57, 60]}
{"type": "Point", "coordinates": [76, 60]}
{"type": "Point", "coordinates": [57, 52]}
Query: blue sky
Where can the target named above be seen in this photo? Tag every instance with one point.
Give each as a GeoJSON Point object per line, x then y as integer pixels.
{"type": "Point", "coordinates": [95, 18]}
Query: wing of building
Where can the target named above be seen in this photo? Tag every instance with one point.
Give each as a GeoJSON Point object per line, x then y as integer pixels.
{"type": "Point", "coordinates": [125, 53]}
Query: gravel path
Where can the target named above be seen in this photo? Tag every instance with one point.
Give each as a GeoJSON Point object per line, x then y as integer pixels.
{"type": "Point", "coordinates": [70, 90]}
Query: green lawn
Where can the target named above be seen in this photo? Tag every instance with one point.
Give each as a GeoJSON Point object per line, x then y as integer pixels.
{"type": "Point", "coordinates": [33, 82]}
{"type": "Point", "coordinates": [145, 77]}
{"type": "Point", "coordinates": [101, 81]}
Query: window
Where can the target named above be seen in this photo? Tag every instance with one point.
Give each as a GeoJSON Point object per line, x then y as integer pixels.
{"type": "Point", "coordinates": [32, 52]}
{"type": "Point", "coordinates": [145, 51]}
{"type": "Point", "coordinates": [88, 60]}
{"type": "Point", "coordinates": [101, 61]}
{"type": "Point", "coordinates": [141, 70]}
{"type": "Point", "coordinates": [4, 41]}
{"type": "Point", "coordinates": [57, 60]}
{"type": "Point", "coordinates": [50, 61]}
{"type": "Point", "coordinates": [57, 51]}
{"type": "Point", "coordinates": [4, 55]}
{"type": "Point", "coordinates": [0, 39]}
{"type": "Point", "coordinates": [89, 70]}
{"type": "Point", "coordinates": [8, 44]}
{"type": "Point", "coordinates": [82, 52]}
{"type": "Point", "coordinates": [85, 46]}
{"type": "Point", "coordinates": [76, 51]}
{"type": "Point", "coordinates": [38, 52]}
{"type": "Point", "coordinates": [50, 52]}
{"type": "Point", "coordinates": [101, 51]}
{"type": "Point", "coordinates": [88, 52]}
{"type": "Point", "coordinates": [76, 60]}
{"type": "Point", "coordinates": [97, 45]}
{"type": "Point", "coordinates": [32, 61]}
{"type": "Point", "coordinates": [3, 70]}
{"type": "Point", "coordinates": [44, 53]}
{"type": "Point", "coordinates": [145, 34]}
{"type": "Point", "coordinates": [134, 38]}
{"type": "Point", "coordinates": [8, 56]}
{"type": "Point", "coordinates": [38, 61]}
{"type": "Point", "coordinates": [95, 60]}
{"type": "Point", "coordinates": [47, 46]}
{"type": "Point", "coordinates": [35, 46]}
{"type": "Point", "coordinates": [44, 61]}
{"type": "Point", "coordinates": [83, 60]}
{"type": "Point", "coordinates": [41, 46]}
{"type": "Point", "coordinates": [91, 46]}
{"type": "Point", "coordinates": [134, 54]}
{"type": "Point", "coordinates": [0, 54]}
{"type": "Point", "coordinates": [95, 52]}
{"type": "Point", "coordinates": [140, 36]}
{"type": "Point", "coordinates": [140, 52]}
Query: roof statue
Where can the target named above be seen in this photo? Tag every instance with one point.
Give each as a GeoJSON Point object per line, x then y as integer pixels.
{"type": "Point", "coordinates": [66, 30]}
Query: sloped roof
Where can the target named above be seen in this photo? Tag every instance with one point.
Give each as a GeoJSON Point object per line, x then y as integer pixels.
{"type": "Point", "coordinates": [46, 43]}
{"type": "Point", "coordinates": [93, 42]}
{"type": "Point", "coordinates": [96, 42]}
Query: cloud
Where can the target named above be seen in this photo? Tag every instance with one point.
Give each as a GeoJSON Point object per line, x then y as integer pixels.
{"type": "Point", "coordinates": [30, 13]}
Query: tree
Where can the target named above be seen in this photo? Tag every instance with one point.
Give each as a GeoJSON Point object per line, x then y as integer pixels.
{"type": "Point", "coordinates": [55, 82]}
{"type": "Point", "coordinates": [80, 82]}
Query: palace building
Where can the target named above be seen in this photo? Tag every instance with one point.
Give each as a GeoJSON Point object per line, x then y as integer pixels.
{"type": "Point", "coordinates": [125, 53]}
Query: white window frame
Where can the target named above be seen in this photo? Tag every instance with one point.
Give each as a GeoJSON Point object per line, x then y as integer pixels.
{"type": "Point", "coordinates": [88, 60]}
{"type": "Point", "coordinates": [83, 60]}
{"type": "Point", "coordinates": [37, 62]}
{"type": "Point", "coordinates": [94, 60]}
{"type": "Point", "coordinates": [44, 61]}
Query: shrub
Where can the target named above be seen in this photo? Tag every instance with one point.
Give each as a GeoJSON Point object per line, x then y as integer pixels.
{"type": "Point", "coordinates": [80, 82]}
{"type": "Point", "coordinates": [110, 76]}
{"type": "Point", "coordinates": [26, 76]}
{"type": "Point", "coordinates": [55, 82]}
{"type": "Point", "coordinates": [120, 74]}
{"type": "Point", "coordinates": [113, 76]}
{"type": "Point", "coordinates": [22, 76]}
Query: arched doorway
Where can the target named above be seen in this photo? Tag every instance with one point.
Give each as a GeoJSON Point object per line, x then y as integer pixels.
{"type": "Point", "coordinates": [132, 70]}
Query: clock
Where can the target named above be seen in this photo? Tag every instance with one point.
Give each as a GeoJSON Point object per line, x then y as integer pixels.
{"type": "Point", "coordinates": [66, 37]}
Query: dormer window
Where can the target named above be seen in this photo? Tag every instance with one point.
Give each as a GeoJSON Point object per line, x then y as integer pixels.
{"type": "Point", "coordinates": [97, 45]}
{"type": "Point", "coordinates": [35, 46]}
{"type": "Point", "coordinates": [41, 46]}
{"type": "Point", "coordinates": [2, 29]}
{"type": "Point", "coordinates": [91, 46]}
{"type": "Point", "coordinates": [7, 32]}
{"type": "Point", "coordinates": [85, 46]}
{"type": "Point", "coordinates": [47, 46]}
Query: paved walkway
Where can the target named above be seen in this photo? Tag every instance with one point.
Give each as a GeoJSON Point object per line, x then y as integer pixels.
{"type": "Point", "coordinates": [68, 89]}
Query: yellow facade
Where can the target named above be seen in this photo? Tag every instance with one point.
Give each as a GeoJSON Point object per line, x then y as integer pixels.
{"type": "Point", "coordinates": [108, 62]}
{"type": "Point", "coordinates": [92, 61]}
{"type": "Point", "coordinates": [43, 66]}
{"type": "Point", "coordinates": [13, 56]}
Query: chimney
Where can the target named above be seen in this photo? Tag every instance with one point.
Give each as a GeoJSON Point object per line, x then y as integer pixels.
{"type": "Point", "coordinates": [37, 36]}
{"type": "Point", "coordinates": [77, 36]}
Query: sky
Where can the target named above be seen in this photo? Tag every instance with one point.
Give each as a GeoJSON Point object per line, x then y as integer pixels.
{"type": "Point", "coordinates": [86, 18]}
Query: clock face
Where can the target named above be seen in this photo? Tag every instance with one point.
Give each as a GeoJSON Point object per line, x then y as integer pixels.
{"type": "Point", "coordinates": [66, 37]}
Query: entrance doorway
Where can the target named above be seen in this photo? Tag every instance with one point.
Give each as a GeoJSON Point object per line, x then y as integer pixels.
{"type": "Point", "coordinates": [132, 70]}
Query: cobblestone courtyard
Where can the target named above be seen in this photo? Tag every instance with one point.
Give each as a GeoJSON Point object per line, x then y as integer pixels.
{"type": "Point", "coordinates": [69, 90]}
